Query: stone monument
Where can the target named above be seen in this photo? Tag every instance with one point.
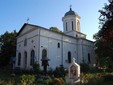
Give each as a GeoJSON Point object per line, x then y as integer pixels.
{"type": "Point", "coordinates": [74, 70]}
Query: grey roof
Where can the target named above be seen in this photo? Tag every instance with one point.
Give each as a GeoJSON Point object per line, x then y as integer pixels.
{"type": "Point", "coordinates": [70, 12]}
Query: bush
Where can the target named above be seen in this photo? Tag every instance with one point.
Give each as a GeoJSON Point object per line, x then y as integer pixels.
{"type": "Point", "coordinates": [17, 71]}
{"type": "Point", "coordinates": [36, 68]}
{"type": "Point", "coordinates": [59, 71]}
{"type": "Point", "coordinates": [84, 67]}
{"type": "Point", "coordinates": [108, 77]}
{"type": "Point", "coordinates": [89, 79]}
{"type": "Point", "coordinates": [50, 72]}
{"type": "Point", "coordinates": [6, 82]}
{"type": "Point", "coordinates": [109, 70]}
{"type": "Point", "coordinates": [27, 79]}
{"type": "Point", "coordinates": [58, 81]}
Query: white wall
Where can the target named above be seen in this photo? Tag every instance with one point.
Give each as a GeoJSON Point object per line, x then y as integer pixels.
{"type": "Point", "coordinates": [32, 44]}
{"type": "Point", "coordinates": [84, 48]}
{"type": "Point", "coordinates": [45, 39]}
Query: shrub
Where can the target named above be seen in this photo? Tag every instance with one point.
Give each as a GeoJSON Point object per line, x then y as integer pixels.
{"type": "Point", "coordinates": [27, 72]}
{"type": "Point", "coordinates": [108, 77]}
{"type": "Point", "coordinates": [84, 67]}
{"type": "Point", "coordinates": [50, 72]}
{"type": "Point", "coordinates": [7, 82]}
{"type": "Point", "coordinates": [49, 82]}
{"type": "Point", "coordinates": [109, 70]}
{"type": "Point", "coordinates": [89, 79]}
{"type": "Point", "coordinates": [36, 68]}
{"type": "Point", "coordinates": [58, 81]}
{"type": "Point", "coordinates": [17, 71]}
{"type": "Point", "coordinates": [59, 71]}
{"type": "Point", "coordinates": [27, 79]}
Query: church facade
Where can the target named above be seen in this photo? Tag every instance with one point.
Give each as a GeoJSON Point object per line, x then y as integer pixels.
{"type": "Point", "coordinates": [40, 45]}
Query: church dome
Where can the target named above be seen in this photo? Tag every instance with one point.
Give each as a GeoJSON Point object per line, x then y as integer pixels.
{"type": "Point", "coordinates": [70, 12]}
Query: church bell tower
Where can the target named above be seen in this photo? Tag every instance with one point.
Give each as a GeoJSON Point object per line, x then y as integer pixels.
{"type": "Point", "coordinates": [71, 24]}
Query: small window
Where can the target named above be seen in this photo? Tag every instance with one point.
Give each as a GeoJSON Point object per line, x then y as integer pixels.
{"type": "Point", "coordinates": [25, 42]}
{"type": "Point", "coordinates": [89, 58]}
{"type": "Point", "coordinates": [58, 45]}
{"type": "Point", "coordinates": [69, 57]}
{"type": "Point", "coordinates": [44, 54]}
{"type": "Point", "coordinates": [25, 59]}
{"type": "Point", "coordinates": [32, 57]}
{"type": "Point", "coordinates": [19, 59]}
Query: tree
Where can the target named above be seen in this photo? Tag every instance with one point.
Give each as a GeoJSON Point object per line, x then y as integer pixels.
{"type": "Point", "coordinates": [55, 29]}
{"type": "Point", "coordinates": [104, 37]}
{"type": "Point", "coordinates": [8, 47]}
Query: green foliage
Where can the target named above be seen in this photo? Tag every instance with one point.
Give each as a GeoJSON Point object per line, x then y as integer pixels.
{"type": "Point", "coordinates": [36, 68]}
{"type": "Point", "coordinates": [104, 37]}
{"type": "Point", "coordinates": [84, 67]}
{"type": "Point", "coordinates": [58, 81]}
{"type": "Point", "coordinates": [27, 80]}
{"type": "Point", "coordinates": [97, 79]}
{"type": "Point", "coordinates": [108, 77]}
{"type": "Point", "coordinates": [50, 72]}
{"type": "Point", "coordinates": [55, 29]}
{"type": "Point", "coordinates": [59, 71]}
{"type": "Point", "coordinates": [53, 81]}
{"type": "Point", "coordinates": [8, 47]}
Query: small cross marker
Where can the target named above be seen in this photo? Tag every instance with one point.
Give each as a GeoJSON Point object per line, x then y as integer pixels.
{"type": "Point", "coordinates": [70, 6]}
{"type": "Point", "coordinates": [27, 20]}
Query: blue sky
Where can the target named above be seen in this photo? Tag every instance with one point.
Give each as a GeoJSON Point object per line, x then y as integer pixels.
{"type": "Point", "coordinates": [47, 13]}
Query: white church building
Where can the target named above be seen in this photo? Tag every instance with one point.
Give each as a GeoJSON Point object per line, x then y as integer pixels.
{"type": "Point", "coordinates": [36, 43]}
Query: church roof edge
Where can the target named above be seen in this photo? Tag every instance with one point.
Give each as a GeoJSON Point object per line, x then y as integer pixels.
{"type": "Point", "coordinates": [48, 30]}
{"type": "Point", "coordinates": [30, 25]}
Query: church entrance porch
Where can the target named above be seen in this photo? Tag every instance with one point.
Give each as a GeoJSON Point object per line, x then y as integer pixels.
{"type": "Point", "coordinates": [45, 64]}
{"type": "Point", "coordinates": [44, 61]}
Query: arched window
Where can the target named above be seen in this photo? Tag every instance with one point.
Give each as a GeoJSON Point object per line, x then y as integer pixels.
{"type": "Point", "coordinates": [25, 59]}
{"type": "Point", "coordinates": [19, 59]}
{"type": "Point", "coordinates": [89, 58]}
{"type": "Point", "coordinates": [25, 42]}
{"type": "Point", "coordinates": [58, 45]}
{"type": "Point", "coordinates": [32, 57]}
{"type": "Point", "coordinates": [69, 57]}
{"type": "Point", "coordinates": [78, 25]}
{"type": "Point", "coordinates": [44, 54]}
{"type": "Point", "coordinates": [66, 26]}
{"type": "Point", "coordinates": [72, 25]}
